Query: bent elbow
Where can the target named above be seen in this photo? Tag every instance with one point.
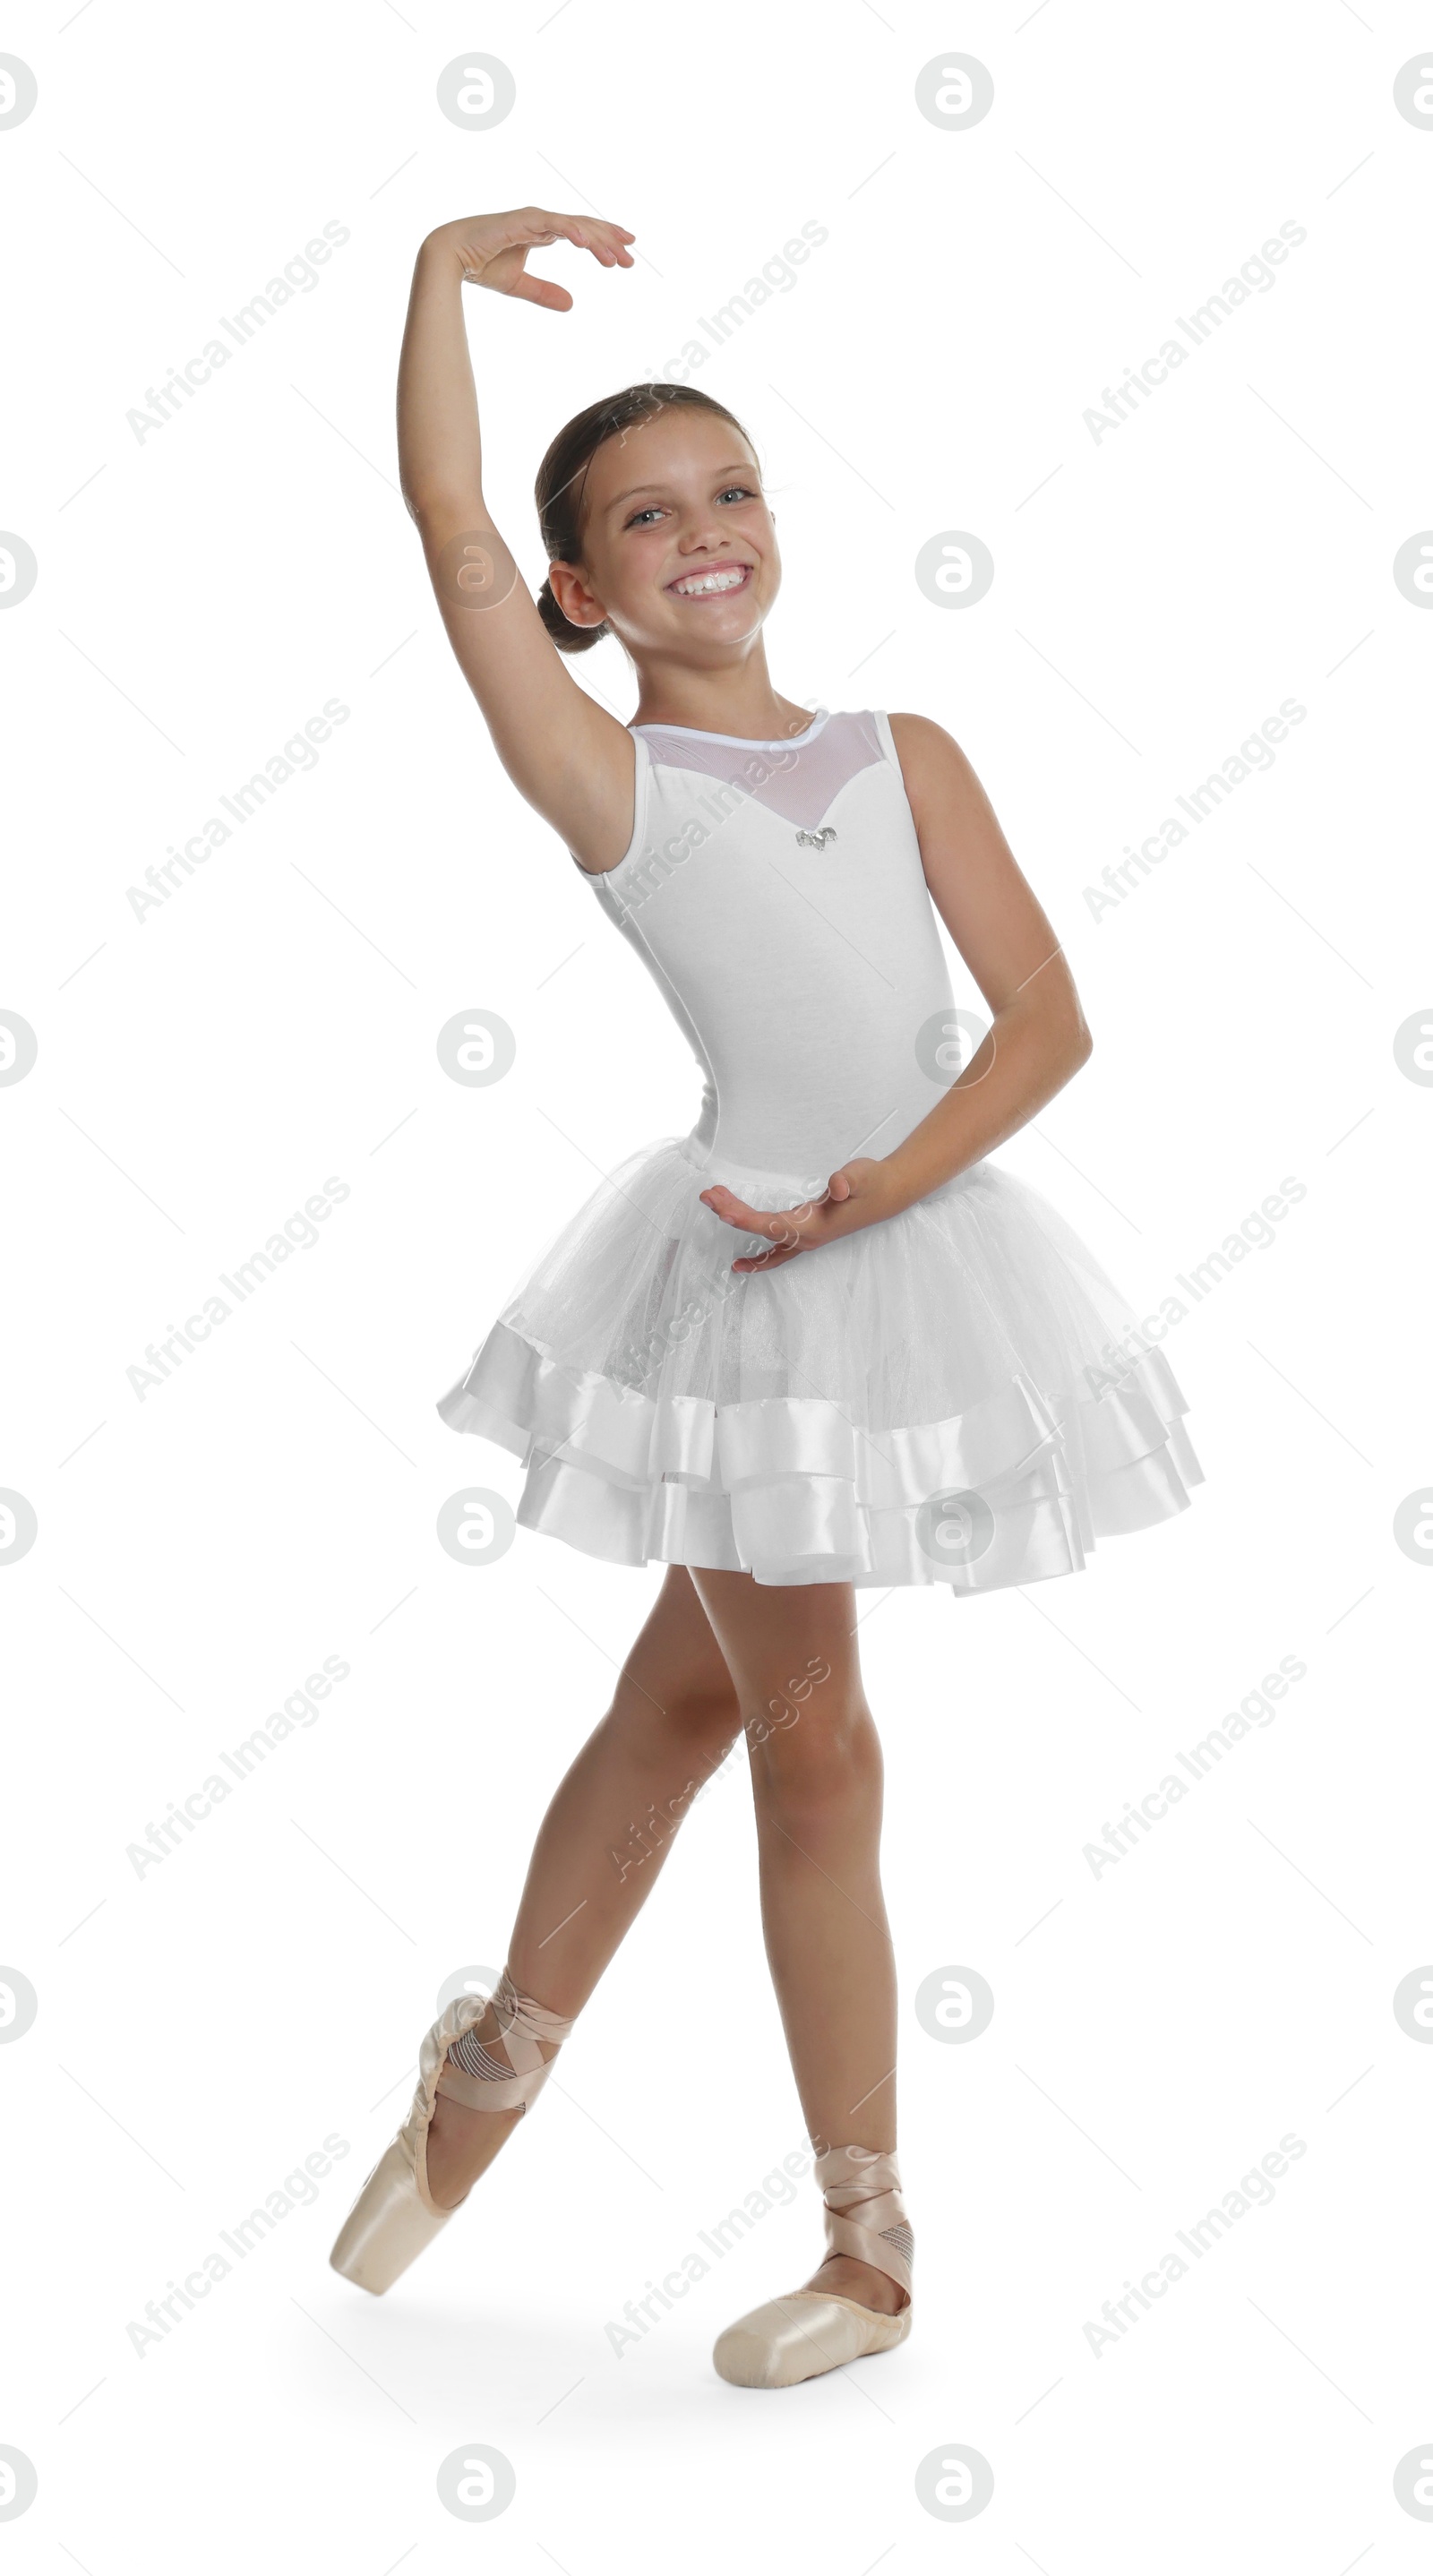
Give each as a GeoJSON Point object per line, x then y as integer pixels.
{"type": "Point", "coordinates": [1078, 1045]}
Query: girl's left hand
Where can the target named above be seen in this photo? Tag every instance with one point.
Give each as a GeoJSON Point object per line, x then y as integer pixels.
{"type": "Point", "coordinates": [859, 1194]}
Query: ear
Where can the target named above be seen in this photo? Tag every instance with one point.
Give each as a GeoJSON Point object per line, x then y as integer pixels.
{"type": "Point", "coordinates": [579, 605]}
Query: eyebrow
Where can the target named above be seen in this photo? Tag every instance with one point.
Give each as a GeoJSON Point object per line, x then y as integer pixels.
{"type": "Point", "coordinates": [740, 468]}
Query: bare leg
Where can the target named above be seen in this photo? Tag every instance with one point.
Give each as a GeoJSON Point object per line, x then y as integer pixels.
{"type": "Point", "coordinates": [816, 1775]}
{"type": "Point", "coordinates": [602, 1842]}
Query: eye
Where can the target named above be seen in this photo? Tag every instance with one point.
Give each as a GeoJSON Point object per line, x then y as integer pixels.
{"type": "Point", "coordinates": [651, 510]}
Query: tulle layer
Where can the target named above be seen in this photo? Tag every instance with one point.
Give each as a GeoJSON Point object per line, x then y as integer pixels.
{"type": "Point", "coordinates": [957, 1395]}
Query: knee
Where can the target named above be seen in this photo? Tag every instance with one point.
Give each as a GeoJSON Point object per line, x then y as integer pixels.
{"type": "Point", "coordinates": [707, 1720]}
{"type": "Point", "coordinates": [818, 1764]}
{"type": "Point", "coordinates": [696, 1723]}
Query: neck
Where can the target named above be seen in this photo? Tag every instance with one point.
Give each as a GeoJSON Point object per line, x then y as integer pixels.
{"type": "Point", "coordinates": [740, 701]}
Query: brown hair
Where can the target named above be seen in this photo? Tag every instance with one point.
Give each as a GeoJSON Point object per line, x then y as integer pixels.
{"type": "Point", "coordinates": [562, 483]}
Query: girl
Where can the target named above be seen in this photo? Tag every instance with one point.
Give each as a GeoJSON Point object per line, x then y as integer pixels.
{"type": "Point", "coordinates": [821, 1341]}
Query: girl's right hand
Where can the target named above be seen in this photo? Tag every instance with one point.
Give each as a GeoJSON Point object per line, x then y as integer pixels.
{"type": "Point", "coordinates": [492, 249]}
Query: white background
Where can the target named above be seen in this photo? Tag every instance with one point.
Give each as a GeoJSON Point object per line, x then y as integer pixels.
{"type": "Point", "coordinates": [201, 1071]}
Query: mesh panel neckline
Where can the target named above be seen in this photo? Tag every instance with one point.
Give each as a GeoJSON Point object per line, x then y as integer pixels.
{"type": "Point", "coordinates": [750, 741]}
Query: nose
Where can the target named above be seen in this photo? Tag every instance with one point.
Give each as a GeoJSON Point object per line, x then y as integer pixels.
{"type": "Point", "coordinates": [701, 534]}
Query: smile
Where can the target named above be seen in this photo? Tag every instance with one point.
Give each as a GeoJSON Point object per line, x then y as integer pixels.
{"type": "Point", "coordinates": [712, 584]}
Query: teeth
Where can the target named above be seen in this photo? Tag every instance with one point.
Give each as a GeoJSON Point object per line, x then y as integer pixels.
{"type": "Point", "coordinates": [709, 581]}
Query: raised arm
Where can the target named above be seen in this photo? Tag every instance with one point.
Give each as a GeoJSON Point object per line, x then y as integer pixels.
{"type": "Point", "coordinates": [572, 760]}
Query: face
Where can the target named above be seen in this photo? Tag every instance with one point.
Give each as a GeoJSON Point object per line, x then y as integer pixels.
{"type": "Point", "coordinates": [679, 552]}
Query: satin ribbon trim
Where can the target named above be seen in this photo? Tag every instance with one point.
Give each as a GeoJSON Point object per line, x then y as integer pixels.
{"type": "Point", "coordinates": [529, 1404]}
{"type": "Point", "coordinates": [862, 2193]}
{"type": "Point", "coordinates": [521, 2024]}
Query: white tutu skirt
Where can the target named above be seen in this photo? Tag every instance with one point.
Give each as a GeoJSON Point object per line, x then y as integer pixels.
{"type": "Point", "coordinates": [954, 1395]}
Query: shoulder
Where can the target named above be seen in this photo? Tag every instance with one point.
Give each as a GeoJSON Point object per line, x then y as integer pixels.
{"type": "Point", "coordinates": [923, 739]}
{"type": "Point", "coordinates": [931, 759]}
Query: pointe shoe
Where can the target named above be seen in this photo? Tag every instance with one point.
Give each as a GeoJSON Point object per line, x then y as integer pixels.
{"type": "Point", "coordinates": [809, 2331]}
{"type": "Point", "coordinates": [395, 2215]}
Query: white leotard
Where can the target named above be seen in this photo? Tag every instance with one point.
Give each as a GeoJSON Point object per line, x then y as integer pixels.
{"type": "Point", "coordinates": [774, 890]}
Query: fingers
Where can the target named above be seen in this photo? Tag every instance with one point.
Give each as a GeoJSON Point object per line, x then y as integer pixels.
{"type": "Point", "coordinates": [784, 1247]}
{"type": "Point", "coordinates": [768, 1260]}
{"type": "Point", "coordinates": [732, 1210]}
{"type": "Point", "coordinates": [494, 251]}
{"type": "Point", "coordinates": [790, 1230]}
{"type": "Point", "coordinates": [785, 1239]}
{"type": "Point", "coordinates": [607, 242]}
{"type": "Point", "coordinates": [770, 1221]}
{"type": "Point", "coordinates": [541, 290]}
{"type": "Point", "coordinates": [613, 240]}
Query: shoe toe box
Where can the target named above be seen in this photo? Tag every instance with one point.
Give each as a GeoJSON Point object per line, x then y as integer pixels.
{"type": "Point", "coordinates": [797, 2337]}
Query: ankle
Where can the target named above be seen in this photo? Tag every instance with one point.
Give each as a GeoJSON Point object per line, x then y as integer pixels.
{"type": "Point", "coordinates": [500, 2057]}
{"type": "Point", "coordinates": [846, 2276]}
{"type": "Point", "coordinates": [866, 2224]}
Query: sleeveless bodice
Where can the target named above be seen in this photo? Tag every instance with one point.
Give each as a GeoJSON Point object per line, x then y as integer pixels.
{"type": "Point", "coordinates": [774, 891]}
